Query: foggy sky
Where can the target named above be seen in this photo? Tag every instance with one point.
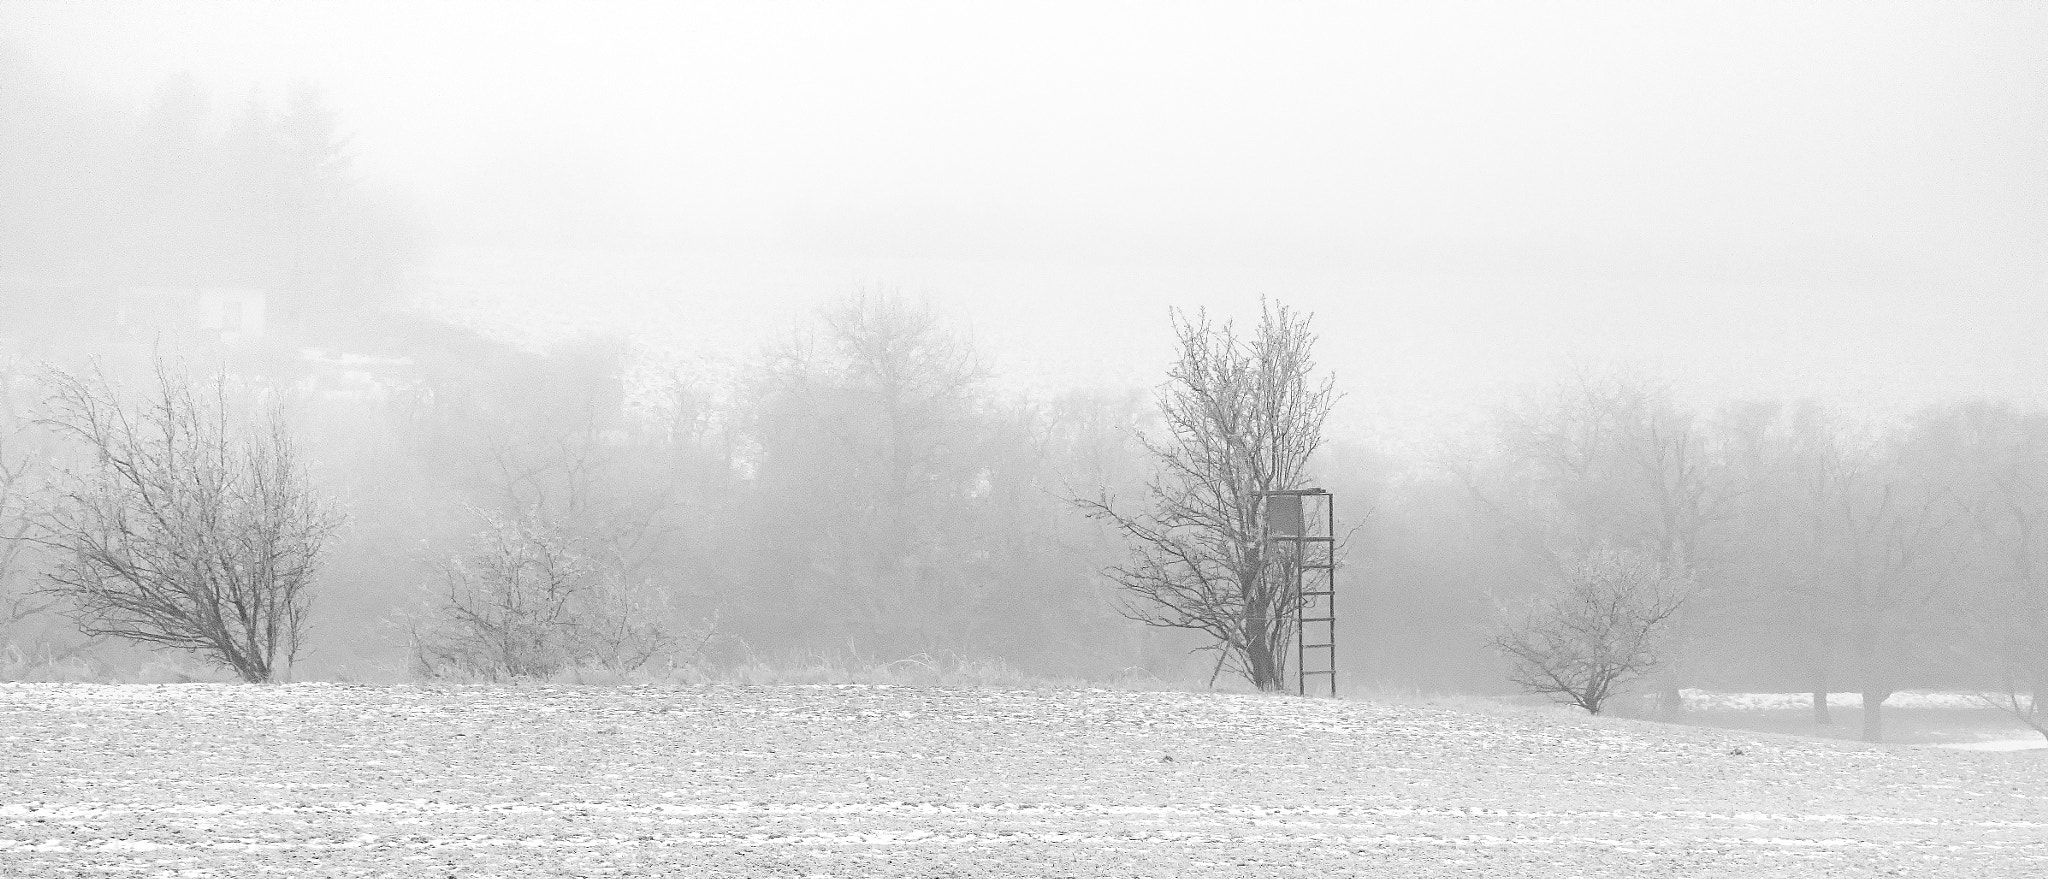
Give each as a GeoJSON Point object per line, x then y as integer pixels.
{"type": "Point", "coordinates": [1750, 199]}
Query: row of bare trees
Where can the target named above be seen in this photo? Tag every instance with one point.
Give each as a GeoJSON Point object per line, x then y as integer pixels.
{"type": "Point", "coordinates": [859, 493]}
{"type": "Point", "coordinates": [895, 503]}
{"type": "Point", "coordinates": [862, 490]}
{"type": "Point", "coordinates": [1881, 555]}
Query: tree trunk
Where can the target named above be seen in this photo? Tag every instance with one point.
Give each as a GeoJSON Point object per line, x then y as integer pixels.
{"type": "Point", "coordinates": [1819, 648]}
{"type": "Point", "coordinates": [1820, 695]}
{"type": "Point", "coordinates": [1873, 689]}
{"type": "Point", "coordinates": [1873, 714]}
{"type": "Point", "coordinates": [1670, 702]}
{"type": "Point", "coordinates": [1670, 699]}
{"type": "Point", "coordinates": [1261, 653]}
{"type": "Point", "coordinates": [1268, 671]}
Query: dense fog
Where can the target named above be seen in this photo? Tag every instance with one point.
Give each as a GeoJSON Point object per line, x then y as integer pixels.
{"type": "Point", "coordinates": [800, 331]}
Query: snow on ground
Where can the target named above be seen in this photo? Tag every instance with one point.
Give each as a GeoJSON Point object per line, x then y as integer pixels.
{"type": "Point", "coordinates": [2031, 742]}
{"type": "Point", "coordinates": [331, 780]}
{"type": "Point", "coordinates": [1710, 700]}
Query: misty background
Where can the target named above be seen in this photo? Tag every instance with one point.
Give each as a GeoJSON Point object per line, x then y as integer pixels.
{"type": "Point", "coordinates": [477, 236]}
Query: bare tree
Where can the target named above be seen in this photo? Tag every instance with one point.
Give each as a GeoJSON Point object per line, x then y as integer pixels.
{"type": "Point", "coordinates": [1995, 460]}
{"type": "Point", "coordinates": [624, 624]}
{"type": "Point", "coordinates": [17, 463]}
{"type": "Point", "coordinates": [1243, 416]}
{"type": "Point", "coordinates": [504, 607]}
{"type": "Point", "coordinates": [2020, 694]}
{"type": "Point", "coordinates": [193, 525]}
{"type": "Point", "coordinates": [868, 432]}
{"type": "Point", "coordinates": [1606, 623]}
{"type": "Point", "coordinates": [1880, 550]}
{"type": "Point", "coordinates": [1779, 573]}
{"type": "Point", "coordinates": [29, 618]}
{"type": "Point", "coordinates": [526, 600]}
{"type": "Point", "coordinates": [581, 498]}
{"type": "Point", "coordinates": [17, 603]}
{"type": "Point", "coordinates": [1611, 460]}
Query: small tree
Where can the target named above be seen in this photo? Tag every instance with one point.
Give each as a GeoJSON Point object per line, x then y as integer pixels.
{"type": "Point", "coordinates": [29, 618]}
{"type": "Point", "coordinates": [2016, 697]}
{"type": "Point", "coordinates": [1993, 459]}
{"type": "Point", "coordinates": [623, 625]}
{"type": "Point", "coordinates": [504, 605]}
{"type": "Point", "coordinates": [2008, 632]}
{"type": "Point", "coordinates": [525, 600]}
{"type": "Point", "coordinates": [17, 603]}
{"type": "Point", "coordinates": [1243, 418]}
{"type": "Point", "coordinates": [191, 526]}
{"type": "Point", "coordinates": [1604, 625]}
{"type": "Point", "coordinates": [1609, 459]}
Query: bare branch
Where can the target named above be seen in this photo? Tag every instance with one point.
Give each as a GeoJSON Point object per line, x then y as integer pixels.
{"type": "Point", "coordinates": [1242, 417]}
{"type": "Point", "coordinates": [1606, 623]}
{"type": "Point", "coordinates": [192, 527]}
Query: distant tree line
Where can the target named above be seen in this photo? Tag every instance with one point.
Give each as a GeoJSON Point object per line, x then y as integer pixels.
{"type": "Point", "coordinates": [1817, 551]}
{"type": "Point", "coordinates": [184, 192]}
{"type": "Point", "coordinates": [863, 489]}
{"type": "Point", "coordinates": [858, 493]}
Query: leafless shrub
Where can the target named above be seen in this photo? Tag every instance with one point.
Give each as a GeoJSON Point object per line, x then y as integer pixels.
{"type": "Point", "coordinates": [624, 625]}
{"type": "Point", "coordinates": [527, 600]}
{"type": "Point", "coordinates": [503, 608]}
{"type": "Point", "coordinates": [17, 601]}
{"type": "Point", "coordinates": [1605, 624]}
{"type": "Point", "coordinates": [22, 469]}
{"type": "Point", "coordinates": [192, 526]}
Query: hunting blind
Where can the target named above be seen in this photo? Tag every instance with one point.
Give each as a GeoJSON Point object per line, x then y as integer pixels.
{"type": "Point", "coordinates": [1305, 520]}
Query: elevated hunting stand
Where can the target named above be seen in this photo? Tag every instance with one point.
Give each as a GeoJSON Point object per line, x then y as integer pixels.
{"type": "Point", "coordinates": [1311, 529]}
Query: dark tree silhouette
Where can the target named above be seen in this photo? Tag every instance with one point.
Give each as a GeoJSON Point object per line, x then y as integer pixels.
{"type": "Point", "coordinates": [191, 525]}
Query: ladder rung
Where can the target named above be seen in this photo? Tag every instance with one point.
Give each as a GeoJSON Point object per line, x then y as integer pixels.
{"type": "Point", "coordinates": [1318, 619]}
{"type": "Point", "coordinates": [1324, 592]}
{"type": "Point", "coordinates": [1314, 646]}
{"type": "Point", "coordinates": [1304, 539]}
{"type": "Point", "coordinates": [1325, 672]}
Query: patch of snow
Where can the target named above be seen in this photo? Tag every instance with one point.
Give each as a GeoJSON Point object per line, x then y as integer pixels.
{"type": "Point", "coordinates": [2026, 744]}
{"type": "Point", "coordinates": [1696, 699]}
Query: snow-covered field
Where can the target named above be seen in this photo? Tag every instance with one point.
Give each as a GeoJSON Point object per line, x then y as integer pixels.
{"type": "Point", "coordinates": [1966, 721]}
{"type": "Point", "coordinates": [1696, 700]}
{"type": "Point", "coordinates": [224, 780]}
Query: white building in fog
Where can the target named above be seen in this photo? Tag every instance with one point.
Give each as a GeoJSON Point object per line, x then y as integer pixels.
{"type": "Point", "coordinates": [224, 314]}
